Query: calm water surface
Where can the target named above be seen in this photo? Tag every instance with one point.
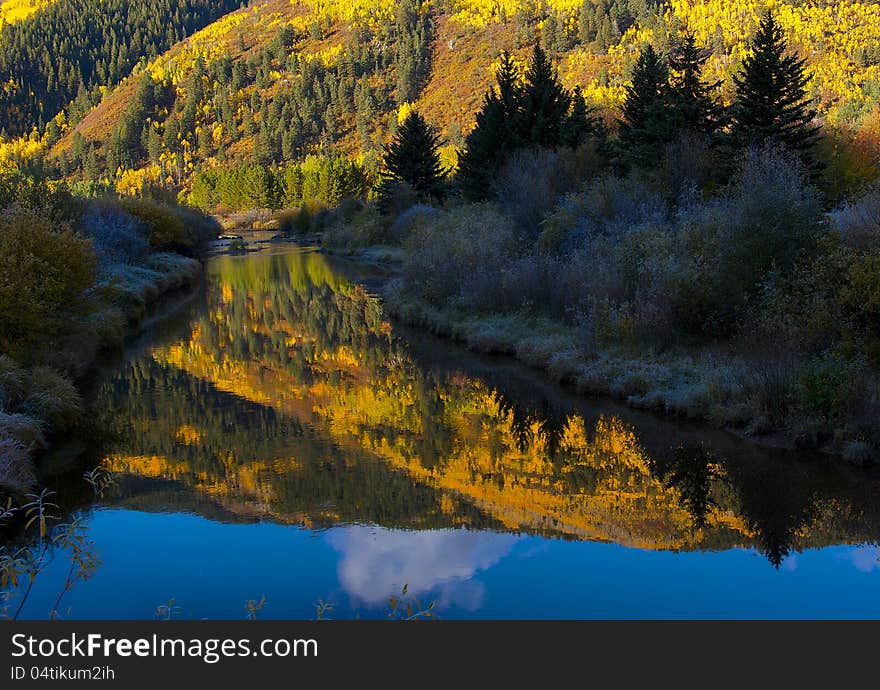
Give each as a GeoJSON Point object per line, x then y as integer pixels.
{"type": "Point", "coordinates": [278, 437]}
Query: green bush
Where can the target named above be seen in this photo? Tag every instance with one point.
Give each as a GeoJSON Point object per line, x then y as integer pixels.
{"type": "Point", "coordinates": [166, 229]}
{"type": "Point", "coordinates": [767, 221]}
{"type": "Point", "coordinates": [44, 270]}
{"type": "Point", "coordinates": [829, 386]}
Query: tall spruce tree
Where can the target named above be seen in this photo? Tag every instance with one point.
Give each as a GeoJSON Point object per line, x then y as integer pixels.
{"type": "Point", "coordinates": [545, 103]}
{"type": "Point", "coordinates": [693, 106]}
{"type": "Point", "coordinates": [413, 158]}
{"type": "Point", "coordinates": [647, 123]}
{"type": "Point", "coordinates": [495, 132]}
{"type": "Point", "coordinates": [771, 96]}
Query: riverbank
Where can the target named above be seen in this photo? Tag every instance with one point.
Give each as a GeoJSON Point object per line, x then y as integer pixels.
{"type": "Point", "coordinates": [711, 384]}
{"type": "Point", "coordinates": [39, 402]}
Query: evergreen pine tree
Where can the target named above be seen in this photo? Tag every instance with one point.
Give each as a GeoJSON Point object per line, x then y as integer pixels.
{"type": "Point", "coordinates": [494, 134]}
{"type": "Point", "coordinates": [691, 100]}
{"type": "Point", "coordinates": [154, 144]}
{"type": "Point", "coordinates": [646, 125]}
{"type": "Point", "coordinates": [545, 103]}
{"type": "Point", "coordinates": [771, 97]}
{"type": "Point", "coordinates": [413, 158]}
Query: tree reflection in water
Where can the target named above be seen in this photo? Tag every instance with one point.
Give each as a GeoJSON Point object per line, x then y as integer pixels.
{"type": "Point", "coordinates": [288, 396]}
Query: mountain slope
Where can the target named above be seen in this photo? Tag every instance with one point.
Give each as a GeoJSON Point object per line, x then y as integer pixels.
{"type": "Point", "coordinates": [280, 80]}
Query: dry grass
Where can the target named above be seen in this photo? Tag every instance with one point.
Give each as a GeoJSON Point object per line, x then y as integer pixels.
{"type": "Point", "coordinates": [16, 472]}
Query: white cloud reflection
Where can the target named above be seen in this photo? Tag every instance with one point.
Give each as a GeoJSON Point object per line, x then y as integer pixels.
{"type": "Point", "coordinates": [865, 558]}
{"type": "Point", "coordinates": [377, 562]}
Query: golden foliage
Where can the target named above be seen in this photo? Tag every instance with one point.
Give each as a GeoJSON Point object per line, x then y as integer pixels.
{"type": "Point", "coordinates": [21, 150]}
{"type": "Point", "coordinates": [136, 182]}
{"type": "Point", "coordinates": [12, 11]}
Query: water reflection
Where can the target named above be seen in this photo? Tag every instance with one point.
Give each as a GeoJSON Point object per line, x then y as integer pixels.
{"type": "Point", "coordinates": [377, 563]}
{"type": "Point", "coordinates": [291, 398]}
{"type": "Point", "coordinates": [284, 396]}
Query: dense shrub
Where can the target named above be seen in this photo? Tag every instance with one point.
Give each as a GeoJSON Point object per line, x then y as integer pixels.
{"type": "Point", "coordinates": [688, 166]}
{"type": "Point", "coordinates": [44, 270]}
{"type": "Point", "coordinates": [609, 207]}
{"type": "Point", "coordinates": [171, 227]}
{"type": "Point", "coordinates": [858, 222]}
{"type": "Point", "coordinates": [417, 217]}
{"type": "Point", "coordinates": [459, 258]}
{"type": "Point", "coordinates": [398, 196]}
{"type": "Point", "coordinates": [768, 219]}
{"type": "Point", "coordinates": [531, 182]}
{"type": "Point", "coordinates": [831, 299]}
{"type": "Point", "coordinates": [363, 228]}
{"type": "Point", "coordinates": [527, 187]}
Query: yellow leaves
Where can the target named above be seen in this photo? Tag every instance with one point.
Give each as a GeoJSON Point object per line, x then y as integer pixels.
{"type": "Point", "coordinates": [206, 43]}
{"type": "Point", "coordinates": [369, 12]}
{"type": "Point", "coordinates": [449, 157]}
{"type": "Point", "coordinates": [404, 111]}
{"type": "Point", "coordinates": [15, 152]}
{"type": "Point", "coordinates": [188, 435]}
{"type": "Point", "coordinates": [12, 11]}
{"type": "Point", "coordinates": [481, 13]}
{"type": "Point", "coordinates": [136, 182]}
{"type": "Point", "coordinates": [327, 57]}
{"type": "Point", "coordinates": [828, 37]}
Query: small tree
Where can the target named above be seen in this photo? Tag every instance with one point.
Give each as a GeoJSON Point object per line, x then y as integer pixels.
{"type": "Point", "coordinates": [771, 96]}
{"type": "Point", "coordinates": [580, 124]}
{"type": "Point", "coordinates": [647, 122]}
{"type": "Point", "coordinates": [413, 158]}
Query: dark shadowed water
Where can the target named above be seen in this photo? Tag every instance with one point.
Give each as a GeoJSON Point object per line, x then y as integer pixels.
{"type": "Point", "coordinates": [277, 440]}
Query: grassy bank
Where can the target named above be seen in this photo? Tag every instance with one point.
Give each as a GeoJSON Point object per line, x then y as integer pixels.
{"type": "Point", "coordinates": [78, 276]}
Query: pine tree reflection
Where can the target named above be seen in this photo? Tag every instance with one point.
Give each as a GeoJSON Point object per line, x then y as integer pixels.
{"type": "Point", "coordinates": [691, 470]}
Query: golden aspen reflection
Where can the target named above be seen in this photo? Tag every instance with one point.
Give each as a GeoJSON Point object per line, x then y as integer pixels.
{"type": "Point", "coordinates": [291, 398]}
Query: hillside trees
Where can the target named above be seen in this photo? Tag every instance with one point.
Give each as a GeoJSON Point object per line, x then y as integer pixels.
{"type": "Point", "coordinates": [669, 97]}
{"type": "Point", "coordinates": [413, 62]}
{"type": "Point", "coordinates": [73, 46]}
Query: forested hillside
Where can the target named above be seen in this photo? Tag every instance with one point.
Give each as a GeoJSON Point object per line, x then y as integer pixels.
{"type": "Point", "coordinates": [91, 85]}
{"type": "Point", "coordinates": [71, 47]}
